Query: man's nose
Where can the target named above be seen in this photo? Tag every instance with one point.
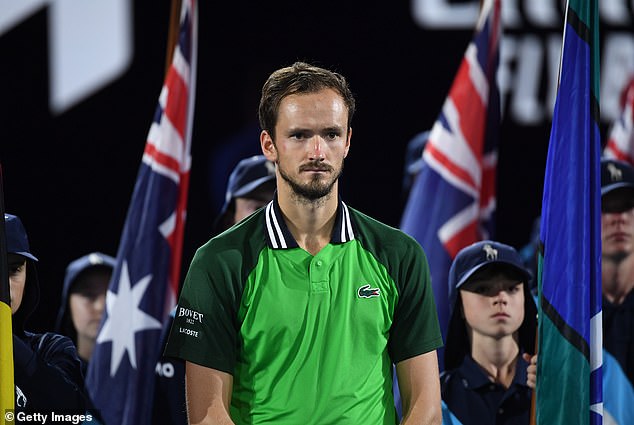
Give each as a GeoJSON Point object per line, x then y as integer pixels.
{"type": "Point", "coordinates": [317, 148]}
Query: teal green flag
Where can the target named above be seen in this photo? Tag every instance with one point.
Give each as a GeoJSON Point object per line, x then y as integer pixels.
{"type": "Point", "coordinates": [569, 331]}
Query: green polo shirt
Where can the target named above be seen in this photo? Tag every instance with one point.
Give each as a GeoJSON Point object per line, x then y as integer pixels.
{"type": "Point", "coordinates": [308, 339]}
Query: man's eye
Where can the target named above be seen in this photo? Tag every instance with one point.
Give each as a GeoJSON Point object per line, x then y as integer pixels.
{"type": "Point", "coordinates": [13, 270]}
{"type": "Point", "coordinates": [332, 135]}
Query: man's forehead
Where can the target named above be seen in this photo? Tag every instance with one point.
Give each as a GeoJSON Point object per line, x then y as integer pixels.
{"type": "Point", "coordinates": [322, 99]}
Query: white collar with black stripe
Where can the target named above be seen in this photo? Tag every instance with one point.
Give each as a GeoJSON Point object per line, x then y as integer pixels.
{"type": "Point", "coordinates": [279, 237]}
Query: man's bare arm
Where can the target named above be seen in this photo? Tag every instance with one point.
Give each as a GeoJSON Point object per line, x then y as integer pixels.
{"type": "Point", "coordinates": [419, 384]}
{"type": "Point", "coordinates": [208, 395]}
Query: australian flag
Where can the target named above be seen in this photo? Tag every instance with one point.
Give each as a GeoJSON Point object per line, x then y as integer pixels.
{"type": "Point", "coordinates": [620, 143]}
{"type": "Point", "coordinates": [452, 200]}
{"type": "Point", "coordinates": [145, 280]}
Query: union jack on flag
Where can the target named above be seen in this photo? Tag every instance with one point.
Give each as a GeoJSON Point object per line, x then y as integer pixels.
{"type": "Point", "coordinates": [620, 143]}
{"type": "Point", "coordinates": [145, 281]}
{"type": "Point", "coordinates": [452, 201]}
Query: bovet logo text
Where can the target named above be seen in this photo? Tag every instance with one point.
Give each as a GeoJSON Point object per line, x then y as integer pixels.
{"type": "Point", "coordinates": [190, 316]}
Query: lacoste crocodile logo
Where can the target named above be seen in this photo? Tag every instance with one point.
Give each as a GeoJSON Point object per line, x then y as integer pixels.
{"type": "Point", "coordinates": [366, 292]}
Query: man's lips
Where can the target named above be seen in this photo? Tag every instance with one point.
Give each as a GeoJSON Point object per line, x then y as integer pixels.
{"type": "Point", "coordinates": [311, 169]}
{"type": "Point", "coordinates": [619, 236]}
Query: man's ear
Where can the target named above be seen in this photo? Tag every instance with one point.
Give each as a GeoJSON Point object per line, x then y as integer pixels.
{"type": "Point", "coordinates": [348, 137]}
{"type": "Point", "coordinates": [268, 147]}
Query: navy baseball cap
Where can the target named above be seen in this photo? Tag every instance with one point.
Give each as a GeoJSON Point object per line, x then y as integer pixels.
{"type": "Point", "coordinates": [248, 176]}
{"type": "Point", "coordinates": [482, 254]}
{"type": "Point", "coordinates": [467, 263]}
{"type": "Point", "coordinates": [17, 240]}
{"type": "Point", "coordinates": [414, 159]}
{"type": "Point", "coordinates": [94, 259]}
{"type": "Point", "coordinates": [414, 152]}
{"type": "Point", "coordinates": [616, 174]}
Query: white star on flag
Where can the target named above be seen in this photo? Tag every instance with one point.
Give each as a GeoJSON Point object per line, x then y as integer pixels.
{"type": "Point", "coordinates": [125, 319]}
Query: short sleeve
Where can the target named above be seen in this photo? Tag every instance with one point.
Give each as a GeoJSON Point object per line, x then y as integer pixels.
{"type": "Point", "coordinates": [205, 328]}
{"type": "Point", "coordinates": [415, 329]}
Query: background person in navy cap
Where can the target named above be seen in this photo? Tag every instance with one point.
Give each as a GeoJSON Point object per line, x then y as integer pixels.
{"type": "Point", "coordinates": [251, 185]}
{"type": "Point", "coordinates": [413, 160]}
{"type": "Point", "coordinates": [83, 301]}
{"type": "Point", "coordinates": [617, 262]}
{"type": "Point", "coordinates": [492, 324]}
{"type": "Point", "coordinates": [47, 369]}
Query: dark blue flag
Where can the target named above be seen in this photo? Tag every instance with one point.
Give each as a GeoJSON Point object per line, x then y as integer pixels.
{"type": "Point", "coordinates": [570, 329]}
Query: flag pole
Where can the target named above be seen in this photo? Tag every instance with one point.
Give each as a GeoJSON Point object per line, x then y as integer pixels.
{"type": "Point", "coordinates": [172, 35]}
{"type": "Point", "coordinates": [7, 388]}
{"type": "Point", "coordinates": [533, 414]}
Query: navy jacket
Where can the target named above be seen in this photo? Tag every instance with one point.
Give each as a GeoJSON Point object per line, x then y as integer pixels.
{"type": "Point", "coordinates": [47, 369]}
{"type": "Point", "coordinates": [475, 400]}
{"type": "Point", "coordinates": [618, 333]}
{"type": "Point", "coordinates": [48, 374]}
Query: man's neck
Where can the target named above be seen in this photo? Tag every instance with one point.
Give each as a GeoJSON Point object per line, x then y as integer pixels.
{"type": "Point", "coordinates": [617, 275]}
{"type": "Point", "coordinates": [310, 222]}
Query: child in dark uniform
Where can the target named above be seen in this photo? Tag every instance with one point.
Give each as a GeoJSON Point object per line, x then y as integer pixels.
{"type": "Point", "coordinates": [47, 369]}
{"type": "Point", "coordinates": [490, 338]}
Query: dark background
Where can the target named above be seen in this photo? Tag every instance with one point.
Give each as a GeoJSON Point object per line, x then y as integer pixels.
{"type": "Point", "coordinates": [70, 176]}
